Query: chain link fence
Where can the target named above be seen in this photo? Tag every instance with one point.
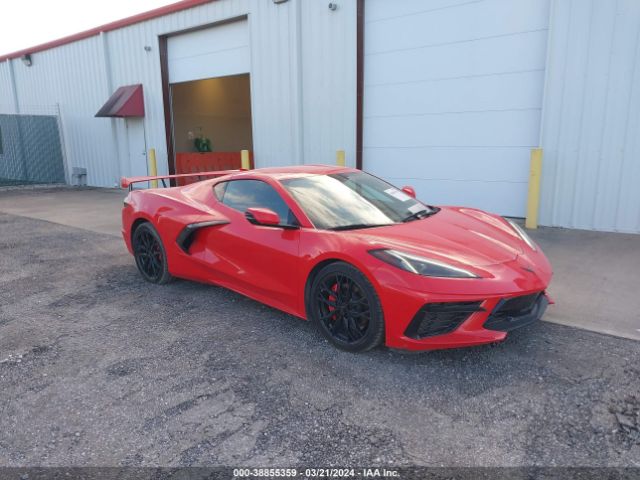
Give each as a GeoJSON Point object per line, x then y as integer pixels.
{"type": "Point", "coordinates": [31, 146]}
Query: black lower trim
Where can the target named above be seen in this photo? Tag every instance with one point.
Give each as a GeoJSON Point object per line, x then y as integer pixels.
{"type": "Point", "coordinates": [517, 312]}
{"type": "Point", "coordinates": [440, 318]}
{"type": "Point", "coordinates": [187, 235]}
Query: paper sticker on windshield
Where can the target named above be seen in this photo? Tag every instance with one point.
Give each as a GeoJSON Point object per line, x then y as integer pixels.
{"type": "Point", "coordinates": [416, 208]}
{"type": "Point", "coordinates": [395, 193]}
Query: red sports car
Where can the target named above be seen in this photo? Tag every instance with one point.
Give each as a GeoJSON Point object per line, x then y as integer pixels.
{"type": "Point", "coordinates": [365, 261]}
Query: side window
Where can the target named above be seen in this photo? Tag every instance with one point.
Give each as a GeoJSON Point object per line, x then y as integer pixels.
{"type": "Point", "coordinates": [218, 190]}
{"type": "Point", "coordinates": [243, 194]}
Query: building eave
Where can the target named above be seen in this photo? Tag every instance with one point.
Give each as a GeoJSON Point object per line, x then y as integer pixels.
{"type": "Point", "coordinates": [125, 22]}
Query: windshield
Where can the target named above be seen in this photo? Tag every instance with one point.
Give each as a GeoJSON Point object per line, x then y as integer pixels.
{"type": "Point", "coordinates": [353, 200]}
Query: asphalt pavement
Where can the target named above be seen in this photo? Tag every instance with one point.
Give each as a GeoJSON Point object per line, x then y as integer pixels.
{"type": "Point", "coordinates": [99, 368]}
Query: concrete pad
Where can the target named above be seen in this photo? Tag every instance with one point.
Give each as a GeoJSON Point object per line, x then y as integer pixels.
{"type": "Point", "coordinates": [596, 283]}
{"type": "Point", "coordinates": [94, 209]}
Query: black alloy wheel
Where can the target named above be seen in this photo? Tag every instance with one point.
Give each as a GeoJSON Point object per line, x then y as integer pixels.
{"type": "Point", "coordinates": [150, 254]}
{"type": "Point", "coordinates": [346, 309]}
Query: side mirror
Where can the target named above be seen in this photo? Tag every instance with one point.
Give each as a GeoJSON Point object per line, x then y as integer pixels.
{"type": "Point", "coordinates": [409, 191]}
{"type": "Point", "coordinates": [262, 216]}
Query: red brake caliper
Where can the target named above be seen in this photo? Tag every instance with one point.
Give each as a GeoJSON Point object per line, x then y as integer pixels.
{"type": "Point", "coordinates": [333, 298]}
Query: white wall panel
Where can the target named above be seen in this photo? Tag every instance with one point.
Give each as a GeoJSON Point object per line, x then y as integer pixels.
{"type": "Point", "coordinates": [6, 100]}
{"type": "Point", "coordinates": [453, 97]}
{"type": "Point", "coordinates": [486, 56]}
{"type": "Point", "coordinates": [453, 22]}
{"type": "Point", "coordinates": [329, 81]}
{"type": "Point", "coordinates": [488, 164]}
{"type": "Point", "coordinates": [473, 94]}
{"type": "Point", "coordinates": [406, 8]}
{"type": "Point", "coordinates": [275, 84]}
{"type": "Point", "coordinates": [591, 120]}
{"type": "Point", "coordinates": [507, 128]}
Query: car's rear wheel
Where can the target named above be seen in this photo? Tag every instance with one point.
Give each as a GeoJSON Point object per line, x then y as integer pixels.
{"type": "Point", "coordinates": [345, 307]}
{"type": "Point", "coordinates": [150, 255]}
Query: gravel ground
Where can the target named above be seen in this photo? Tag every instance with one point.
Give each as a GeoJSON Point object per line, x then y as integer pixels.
{"type": "Point", "coordinates": [98, 367]}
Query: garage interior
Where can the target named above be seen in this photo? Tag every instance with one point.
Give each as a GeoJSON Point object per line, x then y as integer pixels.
{"type": "Point", "coordinates": [216, 108]}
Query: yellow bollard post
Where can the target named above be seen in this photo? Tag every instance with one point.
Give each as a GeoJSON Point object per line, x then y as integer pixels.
{"type": "Point", "coordinates": [245, 163]}
{"type": "Point", "coordinates": [533, 200]}
{"type": "Point", "coordinates": [340, 158]}
{"type": "Point", "coordinates": [153, 167]}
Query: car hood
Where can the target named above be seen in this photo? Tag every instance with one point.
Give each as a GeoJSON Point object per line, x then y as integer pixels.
{"type": "Point", "coordinates": [457, 235]}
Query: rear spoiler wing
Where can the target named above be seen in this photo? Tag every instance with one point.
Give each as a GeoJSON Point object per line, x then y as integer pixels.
{"type": "Point", "coordinates": [127, 182]}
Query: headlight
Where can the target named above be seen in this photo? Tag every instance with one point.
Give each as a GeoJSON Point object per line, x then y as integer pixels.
{"type": "Point", "coordinates": [523, 235]}
{"type": "Point", "coordinates": [421, 265]}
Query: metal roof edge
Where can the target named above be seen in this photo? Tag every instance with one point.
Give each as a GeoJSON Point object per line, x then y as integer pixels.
{"type": "Point", "coordinates": [108, 27]}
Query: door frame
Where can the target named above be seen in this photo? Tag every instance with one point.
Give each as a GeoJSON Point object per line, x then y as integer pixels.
{"type": "Point", "coordinates": [166, 87]}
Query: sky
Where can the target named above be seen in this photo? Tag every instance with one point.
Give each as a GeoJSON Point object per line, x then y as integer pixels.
{"type": "Point", "coordinates": [26, 23]}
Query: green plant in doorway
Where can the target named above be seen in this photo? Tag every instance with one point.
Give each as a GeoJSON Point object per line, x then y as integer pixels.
{"type": "Point", "coordinates": [202, 143]}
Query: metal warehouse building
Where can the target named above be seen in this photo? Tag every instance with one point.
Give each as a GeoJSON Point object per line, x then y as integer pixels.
{"type": "Point", "coordinates": [449, 96]}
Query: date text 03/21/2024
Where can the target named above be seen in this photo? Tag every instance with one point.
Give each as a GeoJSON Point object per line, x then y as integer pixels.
{"type": "Point", "coordinates": [315, 473]}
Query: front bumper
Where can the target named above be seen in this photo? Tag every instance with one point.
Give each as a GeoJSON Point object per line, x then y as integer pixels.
{"type": "Point", "coordinates": [517, 312]}
{"type": "Point", "coordinates": [489, 323]}
{"type": "Point", "coordinates": [491, 308]}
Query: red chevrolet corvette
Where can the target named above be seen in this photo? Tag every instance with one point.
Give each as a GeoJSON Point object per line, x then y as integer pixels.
{"type": "Point", "coordinates": [366, 262]}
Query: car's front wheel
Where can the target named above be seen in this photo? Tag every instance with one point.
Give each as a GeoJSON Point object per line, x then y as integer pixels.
{"type": "Point", "coordinates": [345, 307]}
{"type": "Point", "coordinates": [150, 254]}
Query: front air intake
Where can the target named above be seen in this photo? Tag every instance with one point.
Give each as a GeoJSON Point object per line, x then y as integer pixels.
{"type": "Point", "coordinates": [516, 312]}
{"type": "Point", "coordinates": [440, 318]}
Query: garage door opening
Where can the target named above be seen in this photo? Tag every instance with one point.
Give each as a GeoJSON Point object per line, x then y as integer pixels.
{"type": "Point", "coordinates": [211, 123]}
{"type": "Point", "coordinates": [208, 97]}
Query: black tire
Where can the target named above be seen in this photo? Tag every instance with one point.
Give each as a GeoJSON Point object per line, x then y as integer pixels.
{"type": "Point", "coordinates": [344, 306]}
{"type": "Point", "coordinates": [150, 255]}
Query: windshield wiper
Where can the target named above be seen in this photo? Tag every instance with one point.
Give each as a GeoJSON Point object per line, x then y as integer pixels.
{"type": "Point", "coordinates": [357, 226]}
{"type": "Point", "coordinates": [424, 213]}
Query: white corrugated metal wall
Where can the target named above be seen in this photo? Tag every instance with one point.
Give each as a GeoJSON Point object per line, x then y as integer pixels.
{"type": "Point", "coordinates": [591, 120]}
{"type": "Point", "coordinates": [453, 97]}
{"type": "Point", "coordinates": [70, 76]}
{"type": "Point", "coordinates": [289, 127]}
{"type": "Point", "coordinates": [329, 81]}
{"type": "Point", "coordinates": [6, 100]}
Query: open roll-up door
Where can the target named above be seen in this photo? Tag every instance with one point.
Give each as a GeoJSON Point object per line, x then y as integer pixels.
{"type": "Point", "coordinates": [209, 53]}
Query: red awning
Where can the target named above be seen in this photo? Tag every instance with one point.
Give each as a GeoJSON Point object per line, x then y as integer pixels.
{"type": "Point", "coordinates": [127, 101]}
